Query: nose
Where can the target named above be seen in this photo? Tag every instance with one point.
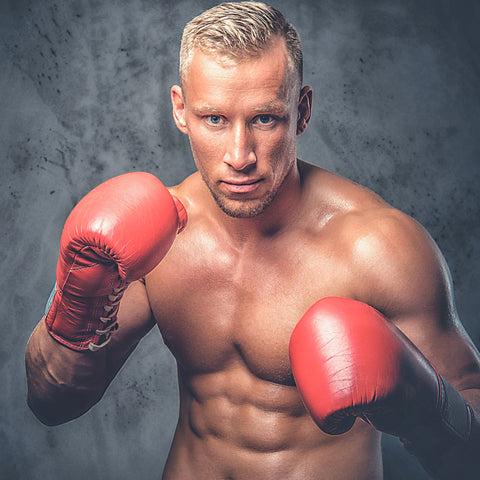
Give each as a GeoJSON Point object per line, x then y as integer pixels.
{"type": "Point", "coordinates": [240, 154]}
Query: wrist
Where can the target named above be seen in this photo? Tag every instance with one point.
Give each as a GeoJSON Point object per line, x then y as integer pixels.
{"type": "Point", "coordinates": [83, 323]}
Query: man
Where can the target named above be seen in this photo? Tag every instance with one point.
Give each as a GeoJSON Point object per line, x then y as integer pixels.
{"type": "Point", "coordinates": [305, 314]}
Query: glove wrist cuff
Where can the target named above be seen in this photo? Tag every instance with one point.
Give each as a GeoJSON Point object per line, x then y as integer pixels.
{"type": "Point", "coordinates": [455, 412]}
{"type": "Point", "coordinates": [438, 445]}
{"type": "Point", "coordinates": [83, 324]}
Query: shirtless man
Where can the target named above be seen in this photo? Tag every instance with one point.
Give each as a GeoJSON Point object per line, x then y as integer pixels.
{"type": "Point", "coordinates": [267, 391]}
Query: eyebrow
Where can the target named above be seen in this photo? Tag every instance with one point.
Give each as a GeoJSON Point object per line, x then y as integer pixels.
{"type": "Point", "coordinates": [274, 107]}
{"type": "Point", "coordinates": [204, 109]}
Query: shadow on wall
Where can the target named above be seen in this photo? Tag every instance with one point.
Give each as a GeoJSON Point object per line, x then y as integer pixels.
{"type": "Point", "coordinates": [86, 97]}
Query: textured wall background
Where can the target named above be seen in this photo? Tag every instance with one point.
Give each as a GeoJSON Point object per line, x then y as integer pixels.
{"type": "Point", "coordinates": [84, 95]}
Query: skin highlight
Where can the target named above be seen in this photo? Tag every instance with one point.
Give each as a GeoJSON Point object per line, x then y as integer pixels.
{"type": "Point", "coordinates": [244, 145]}
{"type": "Point", "coordinates": [267, 236]}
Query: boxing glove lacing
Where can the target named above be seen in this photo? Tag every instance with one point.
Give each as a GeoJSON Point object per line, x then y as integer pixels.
{"type": "Point", "coordinates": [110, 321]}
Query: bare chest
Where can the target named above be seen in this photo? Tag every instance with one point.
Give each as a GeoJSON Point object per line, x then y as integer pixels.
{"type": "Point", "coordinates": [215, 309]}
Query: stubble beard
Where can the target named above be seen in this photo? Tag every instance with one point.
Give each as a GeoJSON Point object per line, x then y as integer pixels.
{"type": "Point", "coordinates": [245, 208]}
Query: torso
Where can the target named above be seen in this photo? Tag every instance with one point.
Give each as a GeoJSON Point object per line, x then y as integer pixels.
{"type": "Point", "coordinates": [227, 312]}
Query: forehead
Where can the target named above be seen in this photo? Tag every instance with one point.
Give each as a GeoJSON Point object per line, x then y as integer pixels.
{"type": "Point", "coordinates": [212, 77]}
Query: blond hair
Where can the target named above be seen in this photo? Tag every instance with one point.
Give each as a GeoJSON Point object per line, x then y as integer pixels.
{"type": "Point", "coordinates": [238, 31]}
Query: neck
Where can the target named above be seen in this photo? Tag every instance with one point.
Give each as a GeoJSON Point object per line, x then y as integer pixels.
{"type": "Point", "coordinates": [277, 217]}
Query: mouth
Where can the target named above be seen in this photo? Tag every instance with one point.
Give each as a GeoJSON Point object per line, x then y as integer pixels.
{"type": "Point", "coordinates": [241, 186]}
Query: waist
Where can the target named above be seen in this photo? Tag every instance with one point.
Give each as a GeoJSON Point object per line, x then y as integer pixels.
{"type": "Point", "coordinates": [233, 424]}
{"type": "Point", "coordinates": [222, 441]}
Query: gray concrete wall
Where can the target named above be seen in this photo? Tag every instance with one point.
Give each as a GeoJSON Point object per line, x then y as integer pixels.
{"type": "Point", "coordinates": [84, 95]}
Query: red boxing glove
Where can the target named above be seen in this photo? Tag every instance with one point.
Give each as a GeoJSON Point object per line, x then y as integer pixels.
{"type": "Point", "coordinates": [116, 234]}
{"type": "Point", "coordinates": [349, 361]}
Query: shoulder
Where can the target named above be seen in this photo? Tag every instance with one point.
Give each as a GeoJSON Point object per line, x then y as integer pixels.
{"type": "Point", "coordinates": [195, 197]}
{"type": "Point", "coordinates": [329, 195]}
{"type": "Point", "coordinates": [389, 259]}
{"type": "Point", "coordinates": [189, 190]}
{"type": "Point", "coordinates": [400, 266]}
{"type": "Point", "coordinates": [199, 238]}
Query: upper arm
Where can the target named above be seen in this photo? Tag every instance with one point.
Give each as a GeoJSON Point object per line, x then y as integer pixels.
{"type": "Point", "coordinates": [407, 279]}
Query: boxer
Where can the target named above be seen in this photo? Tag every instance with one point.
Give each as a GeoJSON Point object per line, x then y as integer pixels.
{"type": "Point", "coordinates": [305, 314]}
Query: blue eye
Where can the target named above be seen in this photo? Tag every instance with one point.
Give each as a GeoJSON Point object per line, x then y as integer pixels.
{"type": "Point", "coordinates": [214, 119]}
{"type": "Point", "coordinates": [265, 119]}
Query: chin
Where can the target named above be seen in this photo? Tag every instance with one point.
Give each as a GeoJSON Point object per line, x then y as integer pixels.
{"type": "Point", "coordinates": [246, 208]}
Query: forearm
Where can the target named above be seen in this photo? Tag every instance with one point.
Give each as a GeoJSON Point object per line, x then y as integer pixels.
{"type": "Point", "coordinates": [368, 368]}
{"type": "Point", "coordinates": [114, 236]}
{"type": "Point", "coordinates": [62, 383]}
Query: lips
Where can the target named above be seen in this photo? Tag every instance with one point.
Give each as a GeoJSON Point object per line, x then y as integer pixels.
{"type": "Point", "coordinates": [241, 186]}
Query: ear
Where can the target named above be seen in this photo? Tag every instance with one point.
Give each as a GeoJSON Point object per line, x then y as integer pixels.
{"type": "Point", "coordinates": [304, 109]}
{"type": "Point", "coordinates": [178, 105]}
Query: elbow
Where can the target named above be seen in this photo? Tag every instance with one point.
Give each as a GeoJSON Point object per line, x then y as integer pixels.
{"type": "Point", "coordinates": [44, 412]}
{"type": "Point", "coordinates": [55, 395]}
{"type": "Point", "coordinates": [54, 412]}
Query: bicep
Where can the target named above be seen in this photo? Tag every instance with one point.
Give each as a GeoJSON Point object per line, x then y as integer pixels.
{"type": "Point", "coordinates": [412, 288]}
{"type": "Point", "coordinates": [441, 338]}
{"type": "Point", "coordinates": [445, 344]}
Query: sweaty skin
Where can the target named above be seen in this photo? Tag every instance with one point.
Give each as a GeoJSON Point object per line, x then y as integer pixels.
{"type": "Point", "coordinates": [227, 318]}
{"type": "Point", "coordinates": [280, 235]}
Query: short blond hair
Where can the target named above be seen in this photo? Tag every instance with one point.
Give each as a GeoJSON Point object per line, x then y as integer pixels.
{"type": "Point", "coordinates": [237, 31]}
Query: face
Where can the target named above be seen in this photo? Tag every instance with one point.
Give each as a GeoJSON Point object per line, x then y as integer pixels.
{"type": "Point", "coordinates": [242, 120]}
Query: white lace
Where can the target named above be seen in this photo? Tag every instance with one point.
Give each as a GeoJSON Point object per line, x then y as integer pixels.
{"type": "Point", "coordinates": [111, 310]}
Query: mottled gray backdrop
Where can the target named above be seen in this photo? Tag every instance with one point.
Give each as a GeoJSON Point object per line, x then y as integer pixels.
{"type": "Point", "coordinates": [84, 96]}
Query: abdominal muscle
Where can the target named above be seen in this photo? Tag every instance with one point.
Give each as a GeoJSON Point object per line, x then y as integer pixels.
{"type": "Point", "coordinates": [234, 425]}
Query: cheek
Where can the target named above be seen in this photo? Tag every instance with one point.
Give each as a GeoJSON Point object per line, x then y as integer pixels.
{"type": "Point", "coordinates": [284, 139]}
{"type": "Point", "coordinates": [204, 148]}
{"type": "Point", "coordinates": [282, 157]}
{"type": "Point", "coordinates": [283, 148]}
